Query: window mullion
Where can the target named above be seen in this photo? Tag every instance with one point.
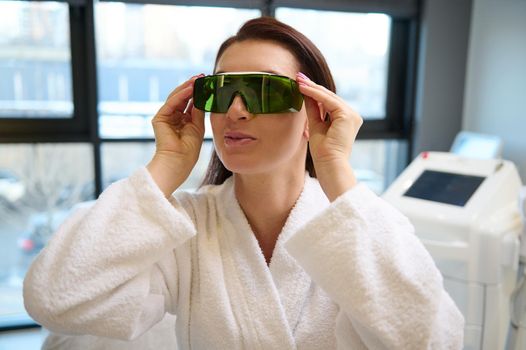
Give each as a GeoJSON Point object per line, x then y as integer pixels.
{"type": "Point", "coordinates": [85, 79]}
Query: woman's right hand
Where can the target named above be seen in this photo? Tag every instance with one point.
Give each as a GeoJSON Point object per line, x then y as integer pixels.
{"type": "Point", "coordinates": [179, 131]}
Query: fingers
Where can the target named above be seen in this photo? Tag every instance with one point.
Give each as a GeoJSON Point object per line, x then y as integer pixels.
{"type": "Point", "coordinates": [315, 114]}
{"type": "Point", "coordinates": [177, 101]}
{"type": "Point", "coordinates": [198, 116]}
{"type": "Point", "coordinates": [185, 84]}
{"type": "Point", "coordinates": [179, 97]}
{"type": "Point", "coordinates": [329, 99]}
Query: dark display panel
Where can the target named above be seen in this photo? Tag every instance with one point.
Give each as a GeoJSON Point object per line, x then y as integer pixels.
{"type": "Point", "coordinates": [449, 188]}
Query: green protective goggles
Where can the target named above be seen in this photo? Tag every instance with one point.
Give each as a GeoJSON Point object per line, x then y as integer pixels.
{"type": "Point", "coordinates": [262, 93]}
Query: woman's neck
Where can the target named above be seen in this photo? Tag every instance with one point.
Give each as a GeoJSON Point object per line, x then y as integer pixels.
{"type": "Point", "coordinates": [266, 200]}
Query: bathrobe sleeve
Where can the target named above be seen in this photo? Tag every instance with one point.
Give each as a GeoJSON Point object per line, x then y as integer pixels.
{"type": "Point", "coordinates": [363, 253]}
{"type": "Point", "coordinates": [110, 269]}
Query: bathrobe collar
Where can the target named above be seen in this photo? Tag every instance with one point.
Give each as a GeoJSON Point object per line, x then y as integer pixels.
{"type": "Point", "coordinates": [276, 293]}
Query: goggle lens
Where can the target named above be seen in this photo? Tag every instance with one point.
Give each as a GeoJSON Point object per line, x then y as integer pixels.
{"type": "Point", "coordinates": [261, 93]}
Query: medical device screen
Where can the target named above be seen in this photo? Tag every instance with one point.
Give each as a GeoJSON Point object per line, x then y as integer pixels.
{"type": "Point", "coordinates": [449, 188]}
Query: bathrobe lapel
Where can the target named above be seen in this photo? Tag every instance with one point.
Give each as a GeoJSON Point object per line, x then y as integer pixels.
{"type": "Point", "coordinates": [268, 299]}
{"type": "Point", "coordinates": [291, 281]}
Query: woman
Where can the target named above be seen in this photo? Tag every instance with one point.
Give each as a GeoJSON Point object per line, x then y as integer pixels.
{"type": "Point", "coordinates": [268, 257]}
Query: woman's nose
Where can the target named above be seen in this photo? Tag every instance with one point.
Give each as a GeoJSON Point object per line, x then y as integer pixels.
{"type": "Point", "coordinates": [238, 110]}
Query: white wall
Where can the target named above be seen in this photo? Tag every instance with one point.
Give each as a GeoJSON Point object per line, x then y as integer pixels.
{"type": "Point", "coordinates": [495, 90]}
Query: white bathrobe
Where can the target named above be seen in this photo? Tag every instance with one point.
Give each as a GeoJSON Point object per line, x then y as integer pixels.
{"type": "Point", "coordinates": [344, 275]}
{"type": "Point", "coordinates": [159, 337]}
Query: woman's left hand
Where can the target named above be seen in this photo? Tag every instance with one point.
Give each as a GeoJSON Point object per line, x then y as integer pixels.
{"type": "Point", "coordinates": [330, 141]}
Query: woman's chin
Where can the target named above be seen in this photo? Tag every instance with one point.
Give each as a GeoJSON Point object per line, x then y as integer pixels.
{"type": "Point", "coordinates": [243, 167]}
{"type": "Point", "coordinates": [242, 170]}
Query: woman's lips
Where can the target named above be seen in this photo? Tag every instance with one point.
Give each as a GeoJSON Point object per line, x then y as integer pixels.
{"type": "Point", "coordinates": [236, 139]}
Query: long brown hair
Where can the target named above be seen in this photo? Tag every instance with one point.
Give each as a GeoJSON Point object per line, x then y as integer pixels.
{"type": "Point", "coordinates": [311, 63]}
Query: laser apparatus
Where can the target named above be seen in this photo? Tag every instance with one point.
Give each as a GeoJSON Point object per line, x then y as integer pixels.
{"type": "Point", "coordinates": [465, 212]}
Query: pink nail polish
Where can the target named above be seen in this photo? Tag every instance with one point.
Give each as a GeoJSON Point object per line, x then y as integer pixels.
{"type": "Point", "coordinates": [303, 76]}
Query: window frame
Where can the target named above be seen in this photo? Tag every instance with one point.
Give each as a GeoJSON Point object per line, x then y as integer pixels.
{"type": "Point", "coordinates": [83, 126]}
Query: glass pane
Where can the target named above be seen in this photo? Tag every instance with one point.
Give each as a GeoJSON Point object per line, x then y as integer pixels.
{"type": "Point", "coordinates": [356, 47]}
{"type": "Point", "coordinates": [145, 51]}
{"type": "Point", "coordinates": [35, 60]}
{"type": "Point", "coordinates": [39, 184]}
{"type": "Point", "coordinates": [377, 163]}
{"type": "Point", "coordinates": [119, 160]}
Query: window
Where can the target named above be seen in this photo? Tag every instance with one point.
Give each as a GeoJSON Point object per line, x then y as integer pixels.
{"type": "Point", "coordinates": [119, 160]}
{"type": "Point", "coordinates": [358, 62]}
{"type": "Point", "coordinates": [378, 162]}
{"type": "Point", "coordinates": [35, 60]}
{"type": "Point", "coordinates": [138, 66]}
{"type": "Point", "coordinates": [39, 185]}
{"type": "Point", "coordinates": [357, 47]}
{"type": "Point", "coordinates": [81, 81]}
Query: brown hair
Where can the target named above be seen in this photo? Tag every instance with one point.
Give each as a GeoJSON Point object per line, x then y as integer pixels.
{"type": "Point", "coordinates": [311, 63]}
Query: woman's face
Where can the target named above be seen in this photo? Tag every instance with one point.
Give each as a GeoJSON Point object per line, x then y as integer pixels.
{"type": "Point", "coordinates": [253, 144]}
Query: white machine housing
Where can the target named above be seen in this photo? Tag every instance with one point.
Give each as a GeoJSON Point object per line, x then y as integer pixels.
{"type": "Point", "coordinates": [474, 245]}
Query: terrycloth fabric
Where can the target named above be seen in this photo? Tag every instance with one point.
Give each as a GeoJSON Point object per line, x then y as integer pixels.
{"type": "Point", "coordinates": [159, 337]}
{"type": "Point", "coordinates": [345, 275]}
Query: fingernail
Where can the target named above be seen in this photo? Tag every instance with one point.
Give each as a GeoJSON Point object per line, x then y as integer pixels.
{"type": "Point", "coordinates": [303, 76]}
{"type": "Point", "coordinates": [197, 76]}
